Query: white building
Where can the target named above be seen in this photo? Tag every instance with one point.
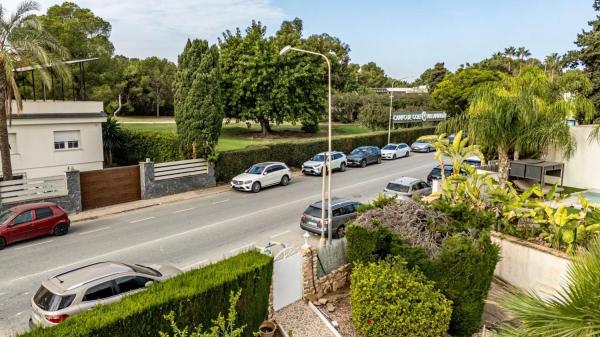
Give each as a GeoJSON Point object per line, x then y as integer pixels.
{"type": "Point", "coordinates": [47, 137]}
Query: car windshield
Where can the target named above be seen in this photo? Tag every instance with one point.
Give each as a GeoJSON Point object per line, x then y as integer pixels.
{"type": "Point", "coordinates": [436, 171]}
{"type": "Point", "coordinates": [144, 270]}
{"type": "Point", "coordinates": [420, 141]}
{"type": "Point", "coordinates": [4, 216]}
{"type": "Point", "coordinates": [359, 151]}
{"type": "Point", "coordinates": [318, 157]}
{"type": "Point", "coordinates": [390, 147]}
{"type": "Point", "coordinates": [49, 301]}
{"type": "Point", "coordinates": [313, 211]}
{"type": "Point", "coordinates": [256, 169]}
{"type": "Point", "coordinates": [397, 187]}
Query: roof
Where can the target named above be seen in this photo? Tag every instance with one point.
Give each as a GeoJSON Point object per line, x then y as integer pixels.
{"type": "Point", "coordinates": [77, 277]}
{"type": "Point", "coordinates": [22, 69]}
{"type": "Point", "coordinates": [24, 207]}
{"type": "Point", "coordinates": [334, 202]}
{"type": "Point", "coordinates": [58, 115]}
{"type": "Point", "coordinates": [407, 181]}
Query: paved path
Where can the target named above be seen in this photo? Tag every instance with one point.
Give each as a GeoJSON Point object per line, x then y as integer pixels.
{"type": "Point", "coordinates": [185, 233]}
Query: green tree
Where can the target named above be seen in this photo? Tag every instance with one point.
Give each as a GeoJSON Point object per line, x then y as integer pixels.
{"type": "Point", "coordinates": [344, 75]}
{"type": "Point", "coordinates": [23, 41]}
{"type": "Point", "coordinates": [553, 64]}
{"type": "Point", "coordinates": [523, 54]}
{"type": "Point", "coordinates": [432, 76]}
{"type": "Point", "coordinates": [111, 138]}
{"type": "Point", "coordinates": [510, 53]}
{"type": "Point", "coordinates": [372, 76]}
{"type": "Point", "coordinates": [198, 99]}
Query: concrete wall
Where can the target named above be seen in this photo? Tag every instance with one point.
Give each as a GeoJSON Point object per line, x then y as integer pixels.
{"type": "Point", "coordinates": [529, 266]}
{"type": "Point", "coordinates": [583, 169]}
{"type": "Point", "coordinates": [50, 107]}
{"type": "Point", "coordinates": [151, 188]}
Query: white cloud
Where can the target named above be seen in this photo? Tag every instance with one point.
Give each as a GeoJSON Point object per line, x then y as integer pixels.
{"type": "Point", "coordinates": [142, 28]}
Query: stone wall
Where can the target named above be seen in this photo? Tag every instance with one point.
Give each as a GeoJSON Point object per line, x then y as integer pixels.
{"type": "Point", "coordinates": [151, 188]}
{"type": "Point", "coordinates": [315, 287]}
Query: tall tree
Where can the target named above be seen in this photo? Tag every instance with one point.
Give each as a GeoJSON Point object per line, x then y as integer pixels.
{"type": "Point", "coordinates": [344, 75]}
{"type": "Point", "coordinates": [523, 54]}
{"type": "Point", "coordinates": [158, 76]}
{"type": "Point", "coordinates": [510, 53]}
{"type": "Point", "coordinates": [432, 76]}
{"type": "Point", "coordinates": [372, 76]}
{"type": "Point", "coordinates": [553, 64]}
{"type": "Point", "coordinates": [198, 99]}
{"type": "Point", "coordinates": [23, 41]}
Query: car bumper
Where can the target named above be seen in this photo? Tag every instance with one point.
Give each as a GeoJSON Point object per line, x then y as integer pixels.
{"type": "Point", "coordinates": [311, 171]}
{"type": "Point", "coordinates": [353, 163]}
{"type": "Point", "coordinates": [242, 187]}
{"type": "Point", "coordinates": [387, 156]}
{"type": "Point", "coordinates": [313, 229]}
{"type": "Point", "coordinates": [418, 149]}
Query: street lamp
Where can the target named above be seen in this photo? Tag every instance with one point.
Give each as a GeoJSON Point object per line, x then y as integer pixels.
{"type": "Point", "coordinates": [390, 119]}
{"type": "Point", "coordinates": [328, 155]}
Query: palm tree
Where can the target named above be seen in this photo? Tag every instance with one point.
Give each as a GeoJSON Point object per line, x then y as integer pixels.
{"type": "Point", "coordinates": [523, 53]}
{"type": "Point", "coordinates": [23, 41]}
{"type": "Point", "coordinates": [510, 52]}
{"type": "Point", "coordinates": [457, 151]}
{"type": "Point", "coordinates": [575, 311]}
{"type": "Point", "coordinates": [553, 64]}
{"type": "Point", "coordinates": [111, 138]}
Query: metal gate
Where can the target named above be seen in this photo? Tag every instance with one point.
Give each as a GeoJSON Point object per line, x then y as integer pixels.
{"type": "Point", "coordinates": [287, 278]}
{"type": "Point", "coordinates": [111, 186]}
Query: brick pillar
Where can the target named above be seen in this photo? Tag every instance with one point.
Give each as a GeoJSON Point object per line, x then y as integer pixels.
{"type": "Point", "coordinates": [74, 191]}
{"type": "Point", "coordinates": [146, 179]}
{"type": "Point", "coordinates": [308, 273]}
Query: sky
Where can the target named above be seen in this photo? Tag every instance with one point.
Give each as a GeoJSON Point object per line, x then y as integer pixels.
{"type": "Point", "coordinates": [404, 37]}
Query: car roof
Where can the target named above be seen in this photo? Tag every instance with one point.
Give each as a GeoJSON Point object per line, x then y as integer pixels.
{"type": "Point", "coordinates": [78, 277]}
{"type": "Point", "coordinates": [332, 152]}
{"type": "Point", "coordinates": [365, 147]}
{"type": "Point", "coordinates": [446, 166]}
{"type": "Point", "coordinates": [334, 202]}
{"type": "Point", "coordinates": [407, 181]}
{"type": "Point", "coordinates": [268, 163]}
{"type": "Point", "coordinates": [26, 207]}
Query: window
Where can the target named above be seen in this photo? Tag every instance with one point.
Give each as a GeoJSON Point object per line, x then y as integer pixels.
{"type": "Point", "coordinates": [23, 218]}
{"type": "Point", "coordinates": [4, 216]}
{"type": "Point", "coordinates": [337, 156]}
{"type": "Point", "coordinates": [131, 283]}
{"type": "Point", "coordinates": [42, 213]}
{"type": "Point", "coordinates": [99, 292]}
{"type": "Point", "coordinates": [12, 142]}
{"type": "Point", "coordinates": [277, 168]}
{"type": "Point", "coordinates": [49, 301]}
{"type": "Point", "coordinates": [64, 140]}
{"type": "Point", "coordinates": [337, 212]}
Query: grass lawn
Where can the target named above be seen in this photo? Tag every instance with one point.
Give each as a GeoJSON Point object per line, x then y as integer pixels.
{"type": "Point", "coordinates": [238, 135]}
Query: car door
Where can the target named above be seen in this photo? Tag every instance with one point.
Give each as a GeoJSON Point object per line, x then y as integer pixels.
{"type": "Point", "coordinates": [21, 227]}
{"type": "Point", "coordinates": [403, 149]}
{"type": "Point", "coordinates": [44, 221]}
{"type": "Point", "coordinates": [335, 161]}
{"type": "Point", "coordinates": [131, 284]}
{"type": "Point", "coordinates": [271, 176]}
{"type": "Point", "coordinates": [103, 293]}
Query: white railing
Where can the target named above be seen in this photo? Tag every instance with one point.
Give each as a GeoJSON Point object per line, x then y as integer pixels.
{"type": "Point", "coordinates": [182, 168]}
{"type": "Point", "coordinates": [29, 189]}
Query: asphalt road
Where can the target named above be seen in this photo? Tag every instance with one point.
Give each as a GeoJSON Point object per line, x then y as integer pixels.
{"type": "Point", "coordinates": [186, 234]}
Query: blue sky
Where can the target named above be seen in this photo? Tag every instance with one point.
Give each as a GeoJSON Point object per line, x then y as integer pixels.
{"type": "Point", "coordinates": [404, 36]}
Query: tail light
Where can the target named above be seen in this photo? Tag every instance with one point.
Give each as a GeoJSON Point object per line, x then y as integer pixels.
{"type": "Point", "coordinates": [319, 222]}
{"type": "Point", "coordinates": [303, 217]}
{"type": "Point", "coordinates": [55, 319]}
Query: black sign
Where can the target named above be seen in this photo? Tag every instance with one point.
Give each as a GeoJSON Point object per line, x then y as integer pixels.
{"type": "Point", "coordinates": [419, 116]}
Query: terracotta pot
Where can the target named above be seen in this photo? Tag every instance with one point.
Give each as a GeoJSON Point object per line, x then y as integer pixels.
{"type": "Point", "coordinates": [267, 329]}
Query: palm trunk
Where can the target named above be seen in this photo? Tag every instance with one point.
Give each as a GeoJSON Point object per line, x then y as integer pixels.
{"type": "Point", "coordinates": [503, 165]}
{"type": "Point", "coordinates": [4, 106]}
{"type": "Point", "coordinates": [194, 151]}
{"type": "Point", "coordinates": [516, 154]}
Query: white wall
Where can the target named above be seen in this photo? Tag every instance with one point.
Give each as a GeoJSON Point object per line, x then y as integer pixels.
{"type": "Point", "coordinates": [583, 169]}
{"type": "Point", "coordinates": [49, 106]}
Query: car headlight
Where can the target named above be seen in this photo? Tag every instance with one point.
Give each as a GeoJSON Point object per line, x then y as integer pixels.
{"type": "Point", "coordinates": [247, 182]}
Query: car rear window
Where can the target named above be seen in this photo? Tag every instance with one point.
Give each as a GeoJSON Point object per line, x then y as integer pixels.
{"type": "Point", "coordinates": [313, 211]}
{"type": "Point", "coordinates": [389, 147]}
{"type": "Point", "coordinates": [4, 216]}
{"type": "Point", "coordinates": [50, 301]}
{"type": "Point", "coordinates": [397, 187]}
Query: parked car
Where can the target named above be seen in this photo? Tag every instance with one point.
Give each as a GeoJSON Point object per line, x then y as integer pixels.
{"type": "Point", "coordinates": [407, 188]}
{"type": "Point", "coordinates": [342, 211]}
{"type": "Point", "coordinates": [32, 220]}
{"type": "Point", "coordinates": [364, 155]}
{"type": "Point", "coordinates": [314, 166]}
{"type": "Point", "coordinates": [393, 151]}
{"type": "Point", "coordinates": [473, 161]}
{"type": "Point", "coordinates": [261, 175]}
{"type": "Point", "coordinates": [436, 173]}
{"type": "Point", "coordinates": [78, 290]}
{"type": "Point", "coordinates": [421, 145]}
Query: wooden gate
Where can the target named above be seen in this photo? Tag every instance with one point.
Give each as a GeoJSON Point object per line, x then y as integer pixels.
{"type": "Point", "coordinates": [111, 186]}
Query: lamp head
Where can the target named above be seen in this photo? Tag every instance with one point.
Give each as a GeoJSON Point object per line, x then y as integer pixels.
{"type": "Point", "coordinates": [285, 50]}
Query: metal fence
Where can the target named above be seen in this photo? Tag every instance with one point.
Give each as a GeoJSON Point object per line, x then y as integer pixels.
{"type": "Point", "coordinates": [182, 168]}
{"type": "Point", "coordinates": [331, 257]}
{"type": "Point", "coordinates": [14, 191]}
{"type": "Point", "coordinates": [491, 166]}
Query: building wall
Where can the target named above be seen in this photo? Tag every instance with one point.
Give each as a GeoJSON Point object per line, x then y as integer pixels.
{"type": "Point", "coordinates": [581, 170]}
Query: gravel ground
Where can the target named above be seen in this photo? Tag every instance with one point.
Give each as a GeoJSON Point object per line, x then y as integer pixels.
{"type": "Point", "coordinates": [342, 313]}
{"type": "Point", "coordinates": [301, 321]}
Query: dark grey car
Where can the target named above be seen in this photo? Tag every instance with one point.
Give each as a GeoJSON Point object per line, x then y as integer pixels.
{"type": "Point", "coordinates": [342, 211]}
{"type": "Point", "coordinates": [364, 155]}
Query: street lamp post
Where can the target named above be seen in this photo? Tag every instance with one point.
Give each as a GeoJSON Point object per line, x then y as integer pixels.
{"type": "Point", "coordinates": [390, 118]}
{"type": "Point", "coordinates": [327, 162]}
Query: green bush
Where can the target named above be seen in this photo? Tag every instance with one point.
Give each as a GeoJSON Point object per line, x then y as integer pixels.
{"type": "Point", "coordinates": [136, 146]}
{"type": "Point", "coordinates": [389, 300]}
{"type": "Point", "coordinates": [195, 298]}
{"type": "Point", "coordinates": [231, 163]}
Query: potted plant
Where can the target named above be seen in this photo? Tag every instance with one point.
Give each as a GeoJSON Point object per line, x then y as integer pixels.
{"type": "Point", "coordinates": [267, 329]}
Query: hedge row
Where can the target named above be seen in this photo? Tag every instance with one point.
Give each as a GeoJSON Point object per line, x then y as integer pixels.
{"type": "Point", "coordinates": [231, 163]}
{"type": "Point", "coordinates": [136, 146]}
{"type": "Point", "coordinates": [196, 297]}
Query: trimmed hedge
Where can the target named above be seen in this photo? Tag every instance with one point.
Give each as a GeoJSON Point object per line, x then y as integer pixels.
{"type": "Point", "coordinates": [136, 146]}
{"type": "Point", "coordinates": [196, 297]}
{"type": "Point", "coordinates": [231, 163]}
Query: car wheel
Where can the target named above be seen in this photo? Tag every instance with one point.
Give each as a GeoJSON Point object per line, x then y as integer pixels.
{"type": "Point", "coordinates": [394, 157]}
{"type": "Point", "coordinates": [285, 180]}
{"type": "Point", "coordinates": [343, 167]}
{"type": "Point", "coordinates": [378, 160]}
{"type": "Point", "coordinates": [363, 163]}
{"type": "Point", "coordinates": [256, 187]}
{"type": "Point", "coordinates": [430, 149]}
{"type": "Point", "coordinates": [60, 229]}
{"type": "Point", "coordinates": [341, 232]}
{"type": "Point", "coordinates": [407, 153]}
{"type": "Point", "coordinates": [2, 243]}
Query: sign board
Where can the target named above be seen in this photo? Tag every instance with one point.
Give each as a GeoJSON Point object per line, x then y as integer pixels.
{"type": "Point", "coordinates": [419, 116]}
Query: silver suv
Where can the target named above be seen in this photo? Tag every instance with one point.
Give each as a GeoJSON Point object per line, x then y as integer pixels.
{"type": "Point", "coordinates": [342, 211]}
{"type": "Point", "coordinates": [81, 289]}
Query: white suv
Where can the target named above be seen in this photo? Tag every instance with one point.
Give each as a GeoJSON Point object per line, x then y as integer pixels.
{"type": "Point", "coordinates": [262, 175]}
{"type": "Point", "coordinates": [315, 165]}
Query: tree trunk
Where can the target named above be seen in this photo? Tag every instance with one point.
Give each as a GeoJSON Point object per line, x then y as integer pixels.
{"type": "Point", "coordinates": [265, 127]}
{"type": "Point", "coordinates": [194, 152]}
{"type": "Point", "coordinates": [4, 145]}
{"type": "Point", "coordinates": [157, 109]}
{"type": "Point", "coordinates": [503, 165]}
{"type": "Point", "coordinates": [516, 154]}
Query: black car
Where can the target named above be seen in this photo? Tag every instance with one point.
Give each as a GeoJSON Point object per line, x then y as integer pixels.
{"type": "Point", "coordinates": [436, 173]}
{"type": "Point", "coordinates": [342, 211]}
{"type": "Point", "coordinates": [364, 155]}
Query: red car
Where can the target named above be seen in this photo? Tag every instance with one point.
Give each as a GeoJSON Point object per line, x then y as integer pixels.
{"type": "Point", "coordinates": [32, 220]}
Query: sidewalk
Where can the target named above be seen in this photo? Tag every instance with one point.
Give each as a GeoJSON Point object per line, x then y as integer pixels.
{"type": "Point", "coordinates": [139, 204]}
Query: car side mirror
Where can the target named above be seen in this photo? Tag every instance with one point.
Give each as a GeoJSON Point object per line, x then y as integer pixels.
{"type": "Point", "coordinates": [265, 173]}
{"type": "Point", "coordinates": [148, 284]}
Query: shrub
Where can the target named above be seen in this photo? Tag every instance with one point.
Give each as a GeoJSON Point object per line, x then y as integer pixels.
{"type": "Point", "coordinates": [195, 298]}
{"type": "Point", "coordinates": [389, 300]}
{"type": "Point", "coordinates": [136, 146]}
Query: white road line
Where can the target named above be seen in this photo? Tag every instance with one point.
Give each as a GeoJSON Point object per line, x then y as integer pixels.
{"type": "Point", "coordinates": [143, 219]}
{"type": "Point", "coordinates": [220, 202]}
{"type": "Point", "coordinates": [194, 265]}
{"type": "Point", "coordinates": [2, 294]}
{"type": "Point", "coordinates": [94, 230]}
{"type": "Point", "coordinates": [34, 244]}
{"type": "Point", "coordinates": [184, 210]}
{"type": "Point", "coordinates": [280, 234]}
{"type": "Point", "coordinates": [19, 314]}
{"type": "Point", "coordinates": [243, 247]}
{"type": "Point", "coordinates": [215, 224]}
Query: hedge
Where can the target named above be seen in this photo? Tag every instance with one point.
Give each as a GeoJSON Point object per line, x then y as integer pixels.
{"type": "Point", "coordinates": [196, 297]}
{"type": "Point", "coordinates": [136, 146]}
{"type": "Point", "coordinates": [231, 163]}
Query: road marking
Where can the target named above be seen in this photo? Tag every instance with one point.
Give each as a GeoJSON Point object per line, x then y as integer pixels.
{"type": "Point", "coordinates": [19, 314]}
{"type": "Point", "coordinates": [34, 244]}
{"type": "Point", "coordinates": [2, 294]}
{"type": "Point", "coordinates": [94, 230]}
{"type": "Point", "coordinates": [215, 224]}
{"type": "Point", "coordinates": [243, 247]}
{"type": "Point", "coordinates": [280, 234]}
{"type": "Point", "coordinates": [184, 210]}
{"type": "Point", "coordinates": [143, 219]}
{"type": "Point", "coordinates": [220, 202]}
{"type": "Point", "coordinates": [194, 265]}
{"type": "Point", "coordinates": [27, 293]}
